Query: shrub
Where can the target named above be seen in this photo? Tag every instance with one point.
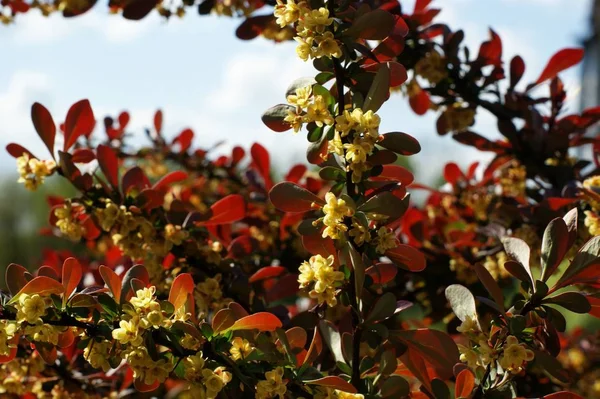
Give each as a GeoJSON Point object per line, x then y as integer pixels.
{"type": "Point", "coordinates": [203, 277]}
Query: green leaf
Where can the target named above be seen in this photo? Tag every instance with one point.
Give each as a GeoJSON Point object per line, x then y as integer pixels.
{"type": "Point", "coordinates": [315, 134]}
{"type": "Point", "coordinates": [332, 173]}
{"type": "Point", "coordinates": [400, 143]}
{"type": "Point", "coordinates": [379, 91]}
{"type": "Point", "coordinates": [319, 90]}
{"type": "Point", "coordinates": [555, 244]}
{"type": "Point", "coordinates": [384, 308]}
{"type": "Point", "coordinates": [461, 301]}
{"type": "Point", "coordinates": [573, 301]}
{"type": "Point", "coordinates": [324, 77]}
{"type": "Point", "coordinates": [373, 25]}
{"type": "Point", "coordinates": [274, 116]}
{"type": "Point", "coordinates": [108, 304]}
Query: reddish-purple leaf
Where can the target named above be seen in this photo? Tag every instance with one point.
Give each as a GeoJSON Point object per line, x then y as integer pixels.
{"type": "Point", "coordinates": [181, 287]}
{"type": "Point", "coordinates": [262, 162]}
{"type": "Point", "coordinates": [71, 276]}
{"type": "Point", "coordinates": [44, 125]}
{"type": "Point", "coordinates": [227, 210]}
{"type": "Point", "coordinates": [112, 280]}
{"type": "Point", "coordinates": [109, 164]}
{"type": "Point", "coordinates": [289, 197]}
{"type": "Point", "coordinates": [563, 59]}
{"type": "Point", "coordinates": [80, 122]}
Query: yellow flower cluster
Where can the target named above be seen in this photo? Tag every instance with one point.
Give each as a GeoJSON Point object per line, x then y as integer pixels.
{"type": "Point", "coordinates": [512, 180]}
{"type": "Point", "coordinates": [592, 222]}
{"type": "Point", "coordinates": [309, 108]}
{"type": "Point", "coordinates": [135, 235]}
{"type": "Point", "coordinates": [464, 270]}
{"type": "Point", "coordinates": [240, 348]}
{"type": "Point", "coordinates": [33, 172]}
{"type": "Point", "coordinates": [15, 376]}
{"type": "Point", "coordinates": [209, 295]}
{"type": "Point", "coordinates": [331, 393]}
{"type": "Point", "coordinates": [145, 368]}
{"type": "Point", "coordinates": [320, 271]}
{"type": "Point", "coordinates": [359, 233]}
{"type": "Point", "coordinates": [67, 225]}
{"type": "Point", "coordinates": [7, 333]}
{"type": "Point", "coordinates": [31, 308]}
{"type": "Point", "coordinates": [365, 128]}
{"type": "Point", "coordinates": [231, 8]}
{"type": "Point", "coordinates": [314, 41]}
{"type": "Point", "coordinates": [97, 354]}
{"type": "Point", "coordinates": [335, 210]}
{"type": "Point", "coordinates": [479, 201]}
{"type": "Point", "coordinates": [205, 383]}
{"type": "Point", "coordinates": [457, 118]}
{"type": "Point", "coordinates": [495, 265]}
{"type": "Point", "coordinates": [272, 386]}
{"type": "Point", "coordinates": [432, 67]}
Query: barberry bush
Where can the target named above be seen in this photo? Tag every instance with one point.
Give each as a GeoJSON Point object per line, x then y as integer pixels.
{"type": "Point", "coordinates": [205, 277]}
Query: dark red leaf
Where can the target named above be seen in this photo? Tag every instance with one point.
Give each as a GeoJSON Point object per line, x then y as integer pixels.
{"type": "Point", "coordinates": [171, 178]}
{"type": "Point", "coordinates": [296, 173]}
{"type": "Point", "coordinates": [17, 150]}
{"type": "Point", "coordinates": [227, 210]}
{"type": "Point", "coordinates": [266, 273]}
{"type": "Point", "coordinates": [184, 140]}
{"type": "Point", "coordinates": [407, 257]}
{"type": "Point", "coordinates": [134, 178]}
{"type": "Point", "coordinates": [564, 59]}
{"type": "Point", "coordinates": [44, 126]}
{"type": "Point", "coordinates": [80, 122]}
{"type": "Point", "coordinates": [289, 197]}
{"type": "Point", "coordinates": [262, 163]}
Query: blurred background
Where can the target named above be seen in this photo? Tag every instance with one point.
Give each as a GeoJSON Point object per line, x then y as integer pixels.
{"type": "Point", "coordinates": [204, 78]}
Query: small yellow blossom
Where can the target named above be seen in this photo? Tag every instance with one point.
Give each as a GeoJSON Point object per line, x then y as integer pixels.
{"type": "Point", "coordinates": [240, 348]}
{"type": "Point", "coordinates": [302, 97]}
{"type": "Point", "coordinates": [432, 67]}
{"type": "Point", "coordinates": [8, 330]}
{"type": "Point", "coordinates": [385, 240]}
{"type": "Point", "coordinates": [360, 233]}
{"type": "Point", "coordinates": [31, 308]}
{"type": "Point", "coordinates": [318, 112]}
{"type": "Point", "coordinates": [33, 172]}
{"type": "Point", "coordinates": [515, 355]}
{"type": "Point", "coordinates": [469, 325]}
{"type": "Point", "coordinates": [97, 354]}
{"type": "Point", "coordinates": [592, 222]}
{"type": "Point", "coordinates": [128, 332]}
{"type": "Point", "coordinates": [273, 386]}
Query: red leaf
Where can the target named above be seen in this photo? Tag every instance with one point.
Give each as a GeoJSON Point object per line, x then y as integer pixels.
{"type": "Point", "coordinates": [395, 173]}
{"type": "Point", "coordinates": [562, 395]}
{"type": "Point", "coordinates": [335, 382]}
{"type": "Point", "coordinates": [227, 210]}
{"type": "Point", "coordinates": [421, 6]}
{"type": "Point", "coordinates": [109, 164]}
{"type": "Point", "coordinates": [407, 257]}
{"type": "Point", "coordinates": [40, 285]}
{"type": "Point", "coordinates": [490, 52]}
{"type": "Point", "coordinates": [419, 102]}
{"type": "Point", "coordinates": [184, 139]}
{"type": "Point", "coordinates": [296, 173]}
{"type": "Point", "coordinates": [262, 163]}
{"type": "Point", "coordinates": [80, 122]}
{"type": "Point", "coordinates": [296, 337]}
{"type": "Point", "coordinates": [83, 155]}
{"type": "Point", "coordinates": [71, 276]}
{"type": "Point", "coordinates": [44, 125]}
{"type": "Point", "coordinates": [112, 281]}
{"type": "Point", "coordinates": [171, 178]}
{"type": "Point", "coordinates": [316, 346]}
{"type": "Point", "coordinates": [266, 273]}
{"type": "Point", "coordinates": [17, 150]}
{"type": "Point", "coordinates": [237, 154]}
{"type": "Point", "coordinates": [158, 121]}
{"type": "Point", "coordinates": [181, 287]}
{"type": "Point", "coordinates": [382, 273]}
{"type": "Point", "coordinates": [261, 321]}
{"type": "Point", "coordinates": [465, 382]}
{"type": "Point", "coordinates": [452, 173]}
{"type": "Point", "coordinates": [15, 278]}
{"type": "Point", "coordinates": [317, 245]}
{"type": "Point", "coordinates": [286, 287]}
{"type": "Point", "coordinates": [222, 320]}
{"type": "Point", "coordinates": [595, 303]}
{"type": "Point", "coordinates": [517, 69]}
{"type": "Point", "coordinates": [139, 384]}
{"type": "Point", "coordinates": [12, 354]}
{"type": "Point", "coordinates": [134, 178]}
{"type": "Point", "coordinates": [289, 197]}
{"type": "Point", "coordinates": [48, 271]}
{"type": "Point", "coordinates": [560, 61]}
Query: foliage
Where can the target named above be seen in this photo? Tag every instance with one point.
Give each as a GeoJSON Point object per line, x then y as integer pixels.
{"type": "Point", "coordinates": [204, 277]}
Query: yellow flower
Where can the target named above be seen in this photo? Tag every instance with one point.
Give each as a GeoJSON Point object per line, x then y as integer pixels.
{"type": "Point", "coordinates": [385, 240]}
{"type": "Point", "coordinates": [347, 122]}
{"type": "Point", "coordinates": [144, 299]}
{"type": "Point", "coordinates": [317, 19]}
{"type": "Point", "coordinates": [128, 332]}
{"type": "Point", "coordinates": [193, 366]}
{"type": "Point", "coordinates": [295, 120]}
{"type": "Point", "coordinates": [487, 353]}
{"type": "Point", "coordinates": [7, 333]}
{"type": "Point", "coordinates": [335, 146]}
{"type": "Point", "coordinates": [327, 296]}
{"type": "Point", "coordinates": [302, 97]}
{"type": "Point", "coordinates": [305, 47]}
{"type": "Point", "coordinates": [31, 308]}
{"type": "Point", "coordinates": [33, 172]}
{"type": "Point", "coordinates": [328, 46]}
{"type": "Point", "coordinates": [175, 234]}
{"type": "Point", "coordinates": [468, 355]}
{"type": "Point", "coordinates": [240, 348]}
{"type": "Point", "coordinates": [307, 274]}
{"type": "Point", "coordinates": [97, 354]}
{"type": "Point", "coordinates": [358, 151]}
{"type": "Point", "coordinates": [432, 67]}
{"type": "Point", "coordinates": [108, 216]}
{"type": "Point", "coordinates": [318, 112]}
{"type": "Point", "coordinates": [321, 271]}
{"type": "Point", "coordinates": [592, 182]}
{"type": "Point", "coordinates": [145, 368]}
{"type": "Point", "coordinates": [288, 13]}
{"type": "Point", "coordinates": [213, 383]}
{"type": "Point", "coordinates": [360, 233]}
{"type": "Point", "coordinates": [370, 123]}
{"type": "Point", "coordinates": [335, 209]}
{"type": "Point", "coordinates": [42, 333]}
{"type": "Point", "coordinates": [515, 355]}
{"type": "Point", "coordinates": [273, 385]}
{"type": "Point", "coordinates": [469, 325]}
{"type": "Point", "coordinates": [66, 224]}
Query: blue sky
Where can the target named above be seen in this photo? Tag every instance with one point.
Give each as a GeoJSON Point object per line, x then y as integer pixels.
{"type": "Point", "coordinates": [204, 78]}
